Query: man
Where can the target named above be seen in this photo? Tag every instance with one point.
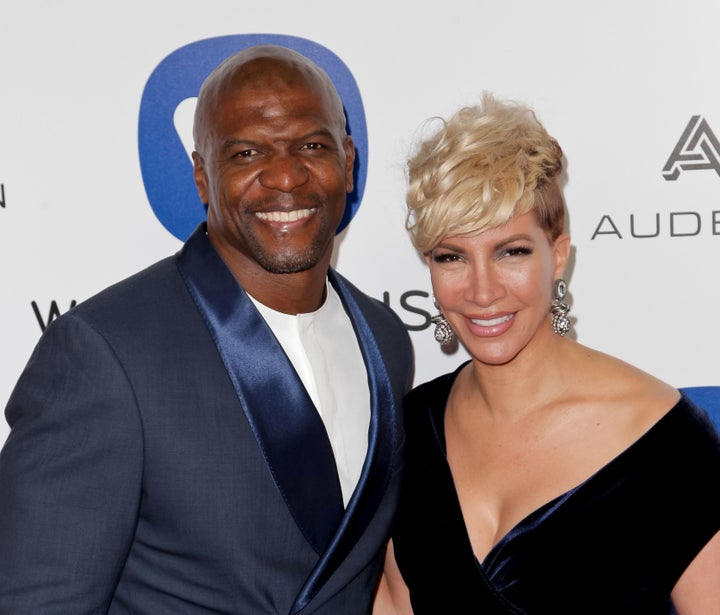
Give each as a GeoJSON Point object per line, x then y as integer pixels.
{"type": "Point", "coordinates": [220, 432]}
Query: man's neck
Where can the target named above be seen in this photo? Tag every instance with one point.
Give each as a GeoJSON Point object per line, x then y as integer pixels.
{"type": "Point", "coordinates": [290, 293]}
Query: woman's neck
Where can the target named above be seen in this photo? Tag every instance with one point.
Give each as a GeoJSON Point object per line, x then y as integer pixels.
{"type": "Point", "coordinates": [535, 377]}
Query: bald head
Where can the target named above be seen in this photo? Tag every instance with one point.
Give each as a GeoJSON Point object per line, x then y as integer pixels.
{"type": "Point", "coordinates": [263, 67]}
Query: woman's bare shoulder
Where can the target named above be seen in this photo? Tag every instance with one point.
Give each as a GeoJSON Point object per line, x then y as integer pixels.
{"type": "Point", "coordinates": [627, 391]}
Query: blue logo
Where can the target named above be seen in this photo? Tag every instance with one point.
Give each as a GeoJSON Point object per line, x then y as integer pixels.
{"type": "Point", "coordinates": [165, 125]}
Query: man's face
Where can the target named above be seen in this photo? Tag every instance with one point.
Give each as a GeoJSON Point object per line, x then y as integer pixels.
{"type": "Point", "coordinates": [274, 169]}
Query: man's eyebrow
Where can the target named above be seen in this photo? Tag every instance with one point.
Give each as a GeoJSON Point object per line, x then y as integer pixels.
{"type": "Point", "coordinates": [242, 143]}
{"type": "Point", "coordinates": [232, 142]}
{"type": "Point", "coordinates": [320, 132]}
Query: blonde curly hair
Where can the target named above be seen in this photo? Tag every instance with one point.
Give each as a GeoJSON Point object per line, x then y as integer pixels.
{"type": "Point", "coordinates": [484, 165]}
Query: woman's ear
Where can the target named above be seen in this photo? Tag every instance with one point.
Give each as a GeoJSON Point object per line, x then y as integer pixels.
{"type": "Point", "coordinates": [561, 251]}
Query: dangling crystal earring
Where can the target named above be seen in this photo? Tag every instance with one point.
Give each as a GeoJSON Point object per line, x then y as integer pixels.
{"type": "Point", "coordinates": [559, 310]}
{"type": "Point", "coordinates": [443, 332]}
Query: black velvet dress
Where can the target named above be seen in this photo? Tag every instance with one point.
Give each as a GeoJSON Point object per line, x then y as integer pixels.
{"type": "Point", "coordinates": [616, 544]}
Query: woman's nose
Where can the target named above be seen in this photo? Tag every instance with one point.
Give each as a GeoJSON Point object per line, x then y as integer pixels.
{"type": "Point", "coordinates": [485, 286]}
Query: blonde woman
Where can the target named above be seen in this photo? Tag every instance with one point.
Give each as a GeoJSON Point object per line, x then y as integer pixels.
{"type": "Point", "coordinates": [542, 477]}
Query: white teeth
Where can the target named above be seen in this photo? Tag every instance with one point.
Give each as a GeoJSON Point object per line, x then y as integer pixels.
{"type": "Point", "coordinates": [492, 322]}
{"type": "Point", "coordinates": [284, 216]}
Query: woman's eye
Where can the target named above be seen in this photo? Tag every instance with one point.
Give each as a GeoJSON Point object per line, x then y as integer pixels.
{"type": "Point", "coordinates": [517, 251]}
{"type": "Point", "coordinates": [445, 258]}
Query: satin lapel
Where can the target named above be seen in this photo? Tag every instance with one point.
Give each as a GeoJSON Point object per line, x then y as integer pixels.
{"type": "Point", "coordinates": [285, 422]}
{"type": "Point", "coordinates": [377, 470]}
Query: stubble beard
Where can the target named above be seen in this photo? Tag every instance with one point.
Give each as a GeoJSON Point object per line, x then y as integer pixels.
{"type": "Point", "coordinates": [289, 259]}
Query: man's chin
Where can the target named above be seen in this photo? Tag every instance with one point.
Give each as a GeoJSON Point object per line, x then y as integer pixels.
{"type": "Point", "coordinates": [288, 264]}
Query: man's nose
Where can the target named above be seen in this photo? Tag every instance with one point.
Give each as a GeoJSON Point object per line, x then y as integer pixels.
{"type": "Point", "coordinates": [284, 172]}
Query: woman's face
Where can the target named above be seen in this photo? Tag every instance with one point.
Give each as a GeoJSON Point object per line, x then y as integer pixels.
{"type": "Point", "coordinates": [495, 288]}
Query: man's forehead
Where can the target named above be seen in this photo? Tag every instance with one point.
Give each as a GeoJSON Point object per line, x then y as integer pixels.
{"type": "Point", "coordinates": [247, 80]}
{"type": "Point", "coordinates": [272, 73]}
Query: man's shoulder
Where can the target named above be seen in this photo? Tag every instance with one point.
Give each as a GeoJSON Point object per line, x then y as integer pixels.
{"type": "Point", "coordinates": [155, 292]}
{"type": "Point", "coordinates": [147, 282]}
{"type": "Point", "coordinates": [368, 304]}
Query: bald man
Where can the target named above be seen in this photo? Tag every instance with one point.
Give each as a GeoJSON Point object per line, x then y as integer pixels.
{"type": "Point", "coordinates": [219, 433]}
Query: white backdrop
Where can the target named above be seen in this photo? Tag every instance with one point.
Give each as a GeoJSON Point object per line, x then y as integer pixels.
{"type": "Point", "coordinates": [616, 83]}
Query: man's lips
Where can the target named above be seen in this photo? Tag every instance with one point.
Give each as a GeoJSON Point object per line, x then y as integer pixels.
{"type": "Point", "coordinates": [285, 216]}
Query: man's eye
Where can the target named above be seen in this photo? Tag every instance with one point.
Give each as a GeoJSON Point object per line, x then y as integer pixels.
{"type": "Point", "coordinates": [313, 146]}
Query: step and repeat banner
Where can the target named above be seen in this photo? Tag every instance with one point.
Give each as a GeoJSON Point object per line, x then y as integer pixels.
{"type": "Point", "coordinates": [95, 141]}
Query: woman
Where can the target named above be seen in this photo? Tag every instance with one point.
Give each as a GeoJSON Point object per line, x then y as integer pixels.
{"type": "Point", "coordinates": [542, 477]}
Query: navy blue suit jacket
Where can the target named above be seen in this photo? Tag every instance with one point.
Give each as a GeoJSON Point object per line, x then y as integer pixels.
{"type": "Point", "coordinates": [143, 472]}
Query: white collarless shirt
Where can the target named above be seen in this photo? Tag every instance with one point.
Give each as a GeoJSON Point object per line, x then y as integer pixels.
{"type": "Point", "coordinates": [323, 348]}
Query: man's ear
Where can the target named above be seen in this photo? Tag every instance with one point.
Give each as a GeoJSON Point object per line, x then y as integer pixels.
{"type": "Point", "coordinates": [349, 147]}
{"type": "Point", "coordinates": [200, 177]}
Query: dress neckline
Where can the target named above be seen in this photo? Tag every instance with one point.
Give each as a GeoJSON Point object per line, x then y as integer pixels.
{"type": "Point", "coordinates": [535, 517]}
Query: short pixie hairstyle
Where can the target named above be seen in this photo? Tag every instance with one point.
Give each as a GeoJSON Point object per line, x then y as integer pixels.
{"type": "Point", "coordinates": [484, 165]}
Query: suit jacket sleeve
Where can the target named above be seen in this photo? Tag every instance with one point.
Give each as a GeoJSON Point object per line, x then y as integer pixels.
{"type": "Point", "coordinates": [70, 476]}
